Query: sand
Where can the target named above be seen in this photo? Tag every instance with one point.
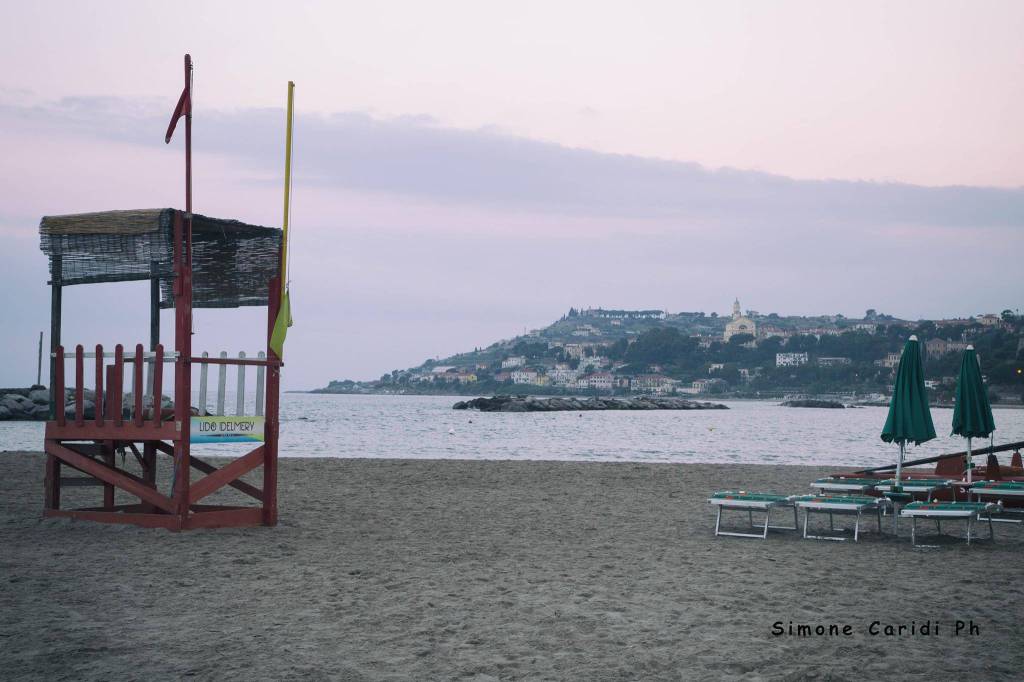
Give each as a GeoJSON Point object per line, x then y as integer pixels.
{"type": "Point", "coordinates": [414, 569]}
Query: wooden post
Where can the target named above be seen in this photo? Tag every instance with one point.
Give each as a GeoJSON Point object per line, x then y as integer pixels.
{"type": "Point", "coordinates": [154, 326]}
{"type": "Point", "coordinates": [271, 424]}
{"type": "Point", "coordinates": [183, 366]}
{"type": "Point", "coordinates": [56, 265]}
{"type": "Point", "coordinates": [79, 385]}
{"type": "Point", "coordinates": [137, 388]}
{"type": "Point", "coordinates": [39, 364]}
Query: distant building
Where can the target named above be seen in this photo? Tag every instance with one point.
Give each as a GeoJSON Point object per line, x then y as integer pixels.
{"type": "Point", "coordinates": [768, 331]}
{"type": "Point", "coordinates": [705, 385]}
{"type": "Point", "coordinates": [833, 362]}
{"type": "Point", "coordinates": [989, 320]}
{"type": "Point", "coordinates": [441, 369]}
{"type": "Point", "coordinates": [586, 330]}
{"type": "Point", "coordinates": [528, 376]}
{"type": "Point", "coordinates": [715, 367]}
{"type": "Point", "coordinates": [739, 324]}
{"type": "Point", "coordinates": [514, 361]}
{"type": "Point", "coordinates": [790, 359]}
{"type": "Point", "coordinates": [890, 360]}
{"type": "Point", "coordinates": [652, 383]}
{"type": "Point", "coordinates": [625, 314]}
{"type": "Point", "coordinates": [868, 327]}
{"type": "Point", "coordinates": [599, 381]}
{"type": "Point", "coordinates": [937, 347]}
{"type": "Point", "coordinates": [593, 361]}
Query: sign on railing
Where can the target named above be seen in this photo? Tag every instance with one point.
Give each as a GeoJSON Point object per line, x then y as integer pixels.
{"type": "Point", "coordinates": [219, 429]}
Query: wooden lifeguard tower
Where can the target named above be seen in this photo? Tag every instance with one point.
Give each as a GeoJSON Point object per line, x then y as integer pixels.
{"type": "Point", "coordinates": [191, 261]}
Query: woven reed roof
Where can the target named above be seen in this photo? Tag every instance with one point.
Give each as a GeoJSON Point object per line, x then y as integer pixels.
{"type": "Point", "coordinates": [232, 262]}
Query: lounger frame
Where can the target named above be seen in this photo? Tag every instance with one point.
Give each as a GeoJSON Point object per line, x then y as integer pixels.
{"type": "Point", "coordinates": [750, 506]}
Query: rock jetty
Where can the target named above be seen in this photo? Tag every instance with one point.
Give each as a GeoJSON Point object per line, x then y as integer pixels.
{"type": "Point", "coordinates": [33, 404]}
{"type": "Point", "coordinates": [508, 403]}
{"type": "Point", "coordinates": [829, 404]}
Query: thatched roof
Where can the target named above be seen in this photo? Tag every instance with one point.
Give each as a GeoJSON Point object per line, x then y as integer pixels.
{"type": "Point", "coordinates": [231, 261]}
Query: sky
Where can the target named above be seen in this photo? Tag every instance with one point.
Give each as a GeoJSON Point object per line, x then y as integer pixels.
{"type": "Point", "coordinates": [466, 171]}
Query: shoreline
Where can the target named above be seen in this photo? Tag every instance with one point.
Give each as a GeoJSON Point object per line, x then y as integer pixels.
{"type": "Point", "coordinates": [441, 569]}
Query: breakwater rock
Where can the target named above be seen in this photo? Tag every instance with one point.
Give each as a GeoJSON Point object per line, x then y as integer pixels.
{"type": "Point", "coordinates": [33, 404]}
{"type": "Point", "coordinates": [829, 404]}
{"type": "Point", "coordinates": [507, 403]}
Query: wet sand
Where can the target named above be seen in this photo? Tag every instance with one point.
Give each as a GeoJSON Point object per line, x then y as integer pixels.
{"type": "Point", "coordinates": [416, 569]}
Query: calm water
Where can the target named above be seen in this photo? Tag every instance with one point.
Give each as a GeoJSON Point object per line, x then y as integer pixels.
{"type": "Point", "coordinates": [420, 427]}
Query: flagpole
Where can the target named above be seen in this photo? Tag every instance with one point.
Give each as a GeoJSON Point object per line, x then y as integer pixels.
{"type": "Point", "coordinates": [287, 188]}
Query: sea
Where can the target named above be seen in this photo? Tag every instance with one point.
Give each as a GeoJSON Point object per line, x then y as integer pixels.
{"type": "Point", "coordinates": [426, 427]}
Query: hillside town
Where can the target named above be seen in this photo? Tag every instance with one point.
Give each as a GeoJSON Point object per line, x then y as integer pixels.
{"type": "Point", "coordinates": [744, 354]}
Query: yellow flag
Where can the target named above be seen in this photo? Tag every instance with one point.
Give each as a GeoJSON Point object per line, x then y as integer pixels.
{"type": "Point", "coordinates": [281, 324]}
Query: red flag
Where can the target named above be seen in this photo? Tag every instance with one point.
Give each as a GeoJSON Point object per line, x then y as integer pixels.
{"type": "Point", "coordinates": [184, 108]}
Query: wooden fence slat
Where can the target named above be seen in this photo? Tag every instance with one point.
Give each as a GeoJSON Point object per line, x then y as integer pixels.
{"type": "Point", "coordinates": [158, 385]}
{"type": "Point", "coordinates": [137, 388]}
{"type": "Point", "coordinates": [118, 396]}
{"type": "Point", "coordinates": [222, 380]}
{"type": "Point", "coordinates": [99, 386]}
{"type": "Point", "coordinates": [260, 371]}
{"type": "Point", "coordinates": [203, 411]}
{"type": "Point", "coordinates": [79, 386]}
{"type": "Point", "coordinates": [240, 390]}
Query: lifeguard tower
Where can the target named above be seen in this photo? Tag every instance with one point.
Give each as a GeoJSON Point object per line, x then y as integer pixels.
{"type": "Point", "coordinates": [191, 261]}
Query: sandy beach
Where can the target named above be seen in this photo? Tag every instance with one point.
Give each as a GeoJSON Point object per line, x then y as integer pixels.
{"type": "Point", "coordinates": [416, 569]}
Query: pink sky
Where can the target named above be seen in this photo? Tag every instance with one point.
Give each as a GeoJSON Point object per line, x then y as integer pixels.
{"type": "Point", "coordinates": [463, 172]}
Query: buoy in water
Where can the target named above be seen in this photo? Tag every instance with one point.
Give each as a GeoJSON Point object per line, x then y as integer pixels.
{"type": "Point", "coordinates": [451, 432]}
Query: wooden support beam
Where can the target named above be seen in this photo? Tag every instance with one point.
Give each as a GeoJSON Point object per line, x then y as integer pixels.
{"type": "Point", "coordinates": [225, 475]}
{"type": "Point", "coordinates": [145, 520]}
{"type": "Point", "coordinates": [52, 483]}
{"type": "Point", "coordinates": [137, 390]}
{"type": "Point", "coordinates": [78, 481]}
{"type": "Point", "coordinates": [79, 385]}
{"type": "Point", "coordinates": [100, 397]}
{"type": "Point", "coordinates": [56, 280]}
{"type": "Point", "coordinates": [128, 432]}
{"type": "Point", "coordinates": [241, 486]}
{"type": "Point", "coordinates": [228, 518]}
{"type": "Point", "coordinates": [111, 475]}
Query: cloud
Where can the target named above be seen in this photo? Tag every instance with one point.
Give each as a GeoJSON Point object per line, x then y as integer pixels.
{"type": "Point", "coordinates": [413, 156]}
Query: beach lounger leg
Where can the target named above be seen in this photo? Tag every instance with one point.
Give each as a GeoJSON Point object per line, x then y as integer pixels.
{"type": "Point", "coordinates": [718, 520]}
{"type": "Point", "coordinates": [807, 515]}
{"type": "Point", "coordinates": [796, 521]}
{"type": "Point", "coordinates": [938, 525]}
{"type": "Point", "coordinates": [969, 518]}
{"type": "Point", "coordinates": [856, 527]}
{"type": "Point", "coordinates": [767, 518]}
{"type": "Point", "coordinates": [991, 532]}
{"type": "Point", "coordinates": [831, 525]}
{"type": "Point", "coordinates": [750, 517]}
{"type": "Point", "coordinates": [913, 531]}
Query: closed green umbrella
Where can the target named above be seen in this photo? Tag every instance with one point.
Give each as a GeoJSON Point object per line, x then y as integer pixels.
{"type": "Point", "coordinates": [972, 415]}
{"type": "Point", "coordinates": [909, 417]}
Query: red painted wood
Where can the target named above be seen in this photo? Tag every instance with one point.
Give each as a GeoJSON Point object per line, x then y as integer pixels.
{"type": "Point", "coordinates": [231, 518]}
{"type": "Point", "coordinates": [138, 388]}
{"type": "Point", "coordinates": [241, 486]}
{"type": "Point", "coordinates": [271, 425]}
{"type": "Point", "coordinates": [108, 488]}
{"type": "Point", "coordinates": [132, 485]}
{"type": "Point", "coordinates": [79, 384]}
{"type": "Point", "coordinates": [108, 400]}
{"type": "Point", "coordinates": [118, 397]}
{"type": "Point", "coordinates": [110, 431]}
{"type": "Point", "coordinates": [100, 398]}
{"type": "Point", "coordinates": [145, 520]}
{"type": "Point", "coordinates": [52, 483]}
{"type": "Point", "coordinates": [183, 367]}
{"type": "Point", "coordinates": [58, 392]}
{"type": "Point", "coordinates": [226, 474]}
{"type": "Point", "coordinates": [158, 385]}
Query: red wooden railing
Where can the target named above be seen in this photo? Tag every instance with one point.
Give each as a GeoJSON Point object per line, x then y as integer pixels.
{"type": "Point", "coordinates": [109, 402]}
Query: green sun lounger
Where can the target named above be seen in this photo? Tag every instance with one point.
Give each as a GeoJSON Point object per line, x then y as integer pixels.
{"type": "Point", "coordinates": [958, 511]}
{"type": "Point", "coordinates": [1000, 490]}
{"type": "Point", "coordinates": [741, 500]}
{"type": "Point", "coordinates": [845, 484]}
{"type": "Point", "coordinates": [855, 505]}
{"type": "Point", "coordinates": [915, 486]}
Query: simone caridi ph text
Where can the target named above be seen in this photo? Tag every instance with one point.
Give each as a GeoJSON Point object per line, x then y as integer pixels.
{"type": "Point", "coordinates": [878, 628]}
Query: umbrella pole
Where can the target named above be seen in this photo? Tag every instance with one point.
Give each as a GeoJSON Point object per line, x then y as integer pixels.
{"type": "Point", "coordinates": [970, 462]}
{"type": "Point", "coordinates": [899, 467]}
